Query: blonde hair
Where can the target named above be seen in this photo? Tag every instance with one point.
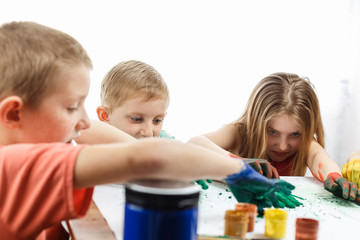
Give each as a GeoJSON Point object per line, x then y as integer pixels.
{"type": "Point", "coordinates": [281, 93]}
{"type": "Point", "coordinates": [32, 55]}
{"type": "Point", "coordinates": [131, 79]}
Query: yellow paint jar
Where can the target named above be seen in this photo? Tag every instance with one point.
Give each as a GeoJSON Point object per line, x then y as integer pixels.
{"type": "Point", "coordinates": [275, 222]}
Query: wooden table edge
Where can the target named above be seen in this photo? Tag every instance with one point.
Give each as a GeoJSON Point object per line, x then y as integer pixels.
{"type": "Point", "coordinates": [92, 226]}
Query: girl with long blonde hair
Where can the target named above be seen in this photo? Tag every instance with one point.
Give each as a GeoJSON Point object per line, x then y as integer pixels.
{"type": "Point", "coordinates": [282, 124]}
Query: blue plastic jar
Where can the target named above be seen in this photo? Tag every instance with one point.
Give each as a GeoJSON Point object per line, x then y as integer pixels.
{"type": "Point", "coordinates": [161, 210]}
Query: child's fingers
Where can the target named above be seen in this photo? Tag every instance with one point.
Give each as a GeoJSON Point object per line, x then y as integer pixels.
{"type": "Point", "coordinates": [275, 173]}
{"type": "Point", "coordinates": [256, 165]}
{"type": "Point", "coordinates": [353, 191]}
{"type": "Point", "coordinates": [330, 185]}
{"type": "Point", "coordinates": [345, 186]}
{"type": "Point", "coordinates": [285, 200]}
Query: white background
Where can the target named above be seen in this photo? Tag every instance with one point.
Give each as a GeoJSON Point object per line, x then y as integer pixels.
{"type": "Point", "coordinates": [212, 53]}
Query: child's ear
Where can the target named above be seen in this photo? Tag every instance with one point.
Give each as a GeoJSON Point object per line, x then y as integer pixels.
{"type": "Point", "coordinates": [102, 113]}
{"type": "Point", "coordinates": [10, 111]}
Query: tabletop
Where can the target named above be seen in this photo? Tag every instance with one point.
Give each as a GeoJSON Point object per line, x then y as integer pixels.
{"type": "Point", "coordinates": [338, 218]}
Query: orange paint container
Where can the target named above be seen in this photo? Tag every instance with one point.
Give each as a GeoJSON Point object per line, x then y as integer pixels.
{"type": "Point", "coordinates": [251, 209]}
{"type": "Point", "coordinates": [236, 223]}
{"type": "Point", "coordinates": [306, 229]}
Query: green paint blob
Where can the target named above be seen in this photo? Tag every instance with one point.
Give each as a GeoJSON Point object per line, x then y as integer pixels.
{"type": "Point", "coordinates": [202, 184]}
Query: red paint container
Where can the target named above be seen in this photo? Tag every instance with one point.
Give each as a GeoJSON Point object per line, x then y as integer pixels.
{"type": "Point", "coordinates": [251, 209]}
{"type": "Point", "coordinates": [306, 229]}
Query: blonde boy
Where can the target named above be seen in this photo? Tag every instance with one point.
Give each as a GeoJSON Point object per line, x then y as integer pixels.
{"type": "Point", "coordinates": [135, 99]}
{"type": "Point", "coordinates": [44, 80]}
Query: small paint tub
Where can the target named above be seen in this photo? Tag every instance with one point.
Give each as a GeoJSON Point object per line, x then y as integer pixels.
{"type": "Point", "coordinates": [251, 209]}
{"type": "Point", "coordinates": [306, 229]}
{"type": "Point", "coordinates": [275, 222]}
{"type": "Point", "coordinates": [236, 223]}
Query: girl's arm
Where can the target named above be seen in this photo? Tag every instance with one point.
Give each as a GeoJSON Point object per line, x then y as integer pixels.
{"type": "Point", "coordinates": [223, 140]}
{"type": "Point", "coordinates": [320, 163]}
{"type": "Point", "coordinates": [226, 141]}
{"type": "Point", "coordinates": [327, 171]}
{"type": "Point", "coordinates": [100, 132]}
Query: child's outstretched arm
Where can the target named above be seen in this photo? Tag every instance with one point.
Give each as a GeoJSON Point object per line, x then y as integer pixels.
{"type": "Point", "coordinates": [226, 141]}
{"type": "Point", "coordinates": [326, 170]}
{"type": "Point", "coordinates": [100, 132]}
{"type": "Point", "coordinates": [149, 158]}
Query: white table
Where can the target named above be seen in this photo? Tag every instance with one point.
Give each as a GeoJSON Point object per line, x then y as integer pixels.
{"type": "Point", "coordinates": [338, 218]}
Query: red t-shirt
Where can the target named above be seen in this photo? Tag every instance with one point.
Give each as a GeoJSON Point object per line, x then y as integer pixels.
{"type": "Point", "coordinates": [36, 189]}
{"type": "Point", "coordinates": [284, 168]}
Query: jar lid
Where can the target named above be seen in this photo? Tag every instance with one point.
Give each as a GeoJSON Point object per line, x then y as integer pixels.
{"type": "Point", "coordinates": [163, 187]}
{"type": "Point", "coordinates": [307, 223]}
{"type": "Point", "coordinates": [275, 213]}
{"type": "Point", "coordinates": [162, 194]}
{"type": "Point", "coordinates": [238, 216]}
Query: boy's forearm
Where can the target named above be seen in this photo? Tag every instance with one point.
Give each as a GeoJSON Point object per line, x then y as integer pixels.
{"type": "Point", "coordinates": [100, 132]}
{"type": "Point", "coordinates": [151, 158]}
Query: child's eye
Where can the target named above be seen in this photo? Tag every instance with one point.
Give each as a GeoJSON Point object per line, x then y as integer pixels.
{"type": "Point", "coordinates": [72, 109]}
{"type": "Point", "coordinates": [272, 132]}
{"type": "Point", "coordinates": [158, 121]}
{"type": "Point", "coordinates": [136, 119]}
{"type": "Point", "coordinates": [295, 134]}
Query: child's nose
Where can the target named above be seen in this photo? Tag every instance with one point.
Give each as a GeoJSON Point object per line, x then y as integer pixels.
{"type": "Point", "coordinates": [147, 131]}
{"type": "Point", "coordinates": [283, 144]}
{"type": "Point", "coordinates": [84, 122]}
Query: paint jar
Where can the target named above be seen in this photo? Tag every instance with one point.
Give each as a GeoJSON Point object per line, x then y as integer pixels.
{"type": "Point", "coordinates": [161, 210]}
{"type": "Point", "coordinates": [251, 209]}
{"type": "Point", "coordinates": [306, 229]}
{"type": "Point", "coordinates": [236, 223]}
{"type": "Point", "coordinates": [275, 222]}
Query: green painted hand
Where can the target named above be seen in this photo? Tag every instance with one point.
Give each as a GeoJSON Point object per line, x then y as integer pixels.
{"type": "Point", "coordinates": [341, 187]}
{"type": "Point", "coordinates": [250, 186]}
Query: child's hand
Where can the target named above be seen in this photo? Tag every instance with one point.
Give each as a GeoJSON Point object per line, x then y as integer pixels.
{"type": "Point", "coordinates": [351, 171]}
{"type": "Point", "coordinates": [341, 187]}
{"type": "Point", "coordinates": [283, 200]}
{"type": "Point", "coordinates": [250, 186]}
{"type": "Point", "coordinates": [261, 166]}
